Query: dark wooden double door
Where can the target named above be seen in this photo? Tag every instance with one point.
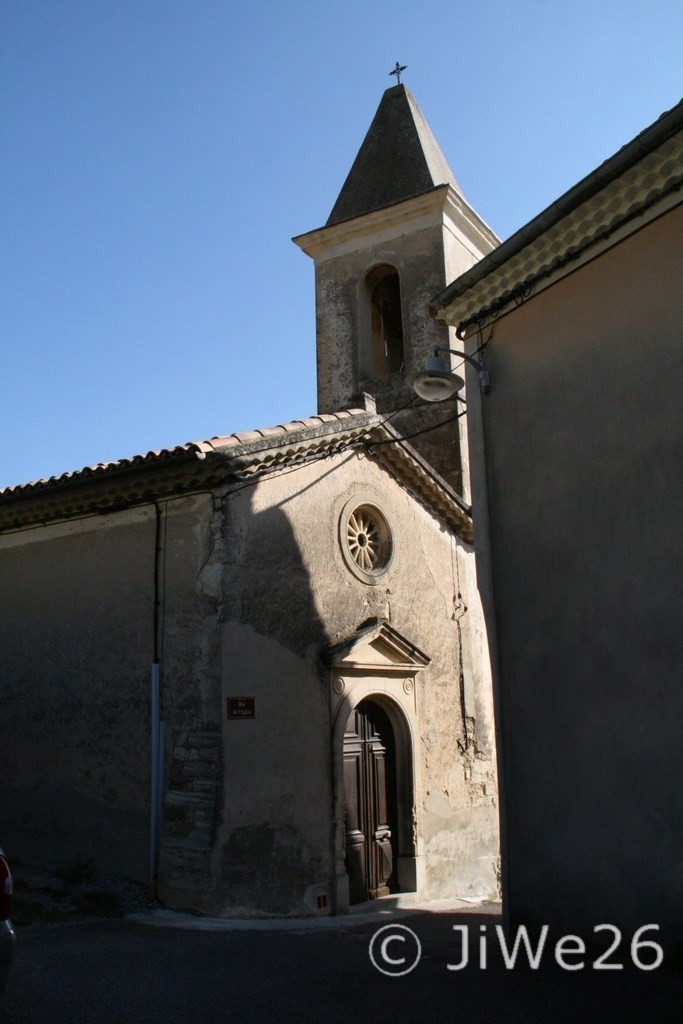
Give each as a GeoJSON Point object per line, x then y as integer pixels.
{"type": "Point", "coordinates": [370, 802]}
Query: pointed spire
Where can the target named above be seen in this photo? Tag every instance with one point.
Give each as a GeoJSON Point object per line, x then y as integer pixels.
{"type": "Point", "coordinates": [399, 159]}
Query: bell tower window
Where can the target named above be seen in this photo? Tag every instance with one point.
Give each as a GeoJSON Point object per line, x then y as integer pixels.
{"type": "Point", "coordinates": [386, 323]}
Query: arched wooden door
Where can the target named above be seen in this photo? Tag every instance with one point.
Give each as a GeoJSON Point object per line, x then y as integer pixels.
{"type": "Point", "coordinates": [370, 802]}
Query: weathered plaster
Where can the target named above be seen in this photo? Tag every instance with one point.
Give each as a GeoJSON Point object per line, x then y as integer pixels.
{"type": "Point", "coordinates": [428, 240]}
{"type": "Point", "coordinates": [76, 637]}
{"type": "Point", "coordinates": [290, 595]}
{"type": "Point", "coordinates": [274, 842]}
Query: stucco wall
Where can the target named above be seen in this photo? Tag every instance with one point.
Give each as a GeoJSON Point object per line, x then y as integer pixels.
{"type": "Point", "coordinates": [78, 645]}
{"type": "Point", "coordinates": [583, 449]}
{"type": "Point", "coordinates": [288, 596]}
{"type": "Point", "coordinates": [341, 326]}
{"type": "Point", "coordinates": [252, 591]}
{"type": "Point", "coordinates": [76, 649]}
{"type": "Point", "coordinates": [426, 258]}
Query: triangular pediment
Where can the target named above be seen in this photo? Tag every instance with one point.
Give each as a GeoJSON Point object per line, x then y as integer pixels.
{"type": "Point", "coordinates": [377, 647]}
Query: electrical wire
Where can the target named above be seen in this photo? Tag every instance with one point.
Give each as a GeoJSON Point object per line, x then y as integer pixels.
{"type": "Point", "coordinates": [418, 433]}
{"type": "Point", "coordinates": [352, 446]}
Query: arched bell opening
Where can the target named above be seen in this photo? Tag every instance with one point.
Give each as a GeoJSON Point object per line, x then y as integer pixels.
{"type": "Point", "coordinates": [382, 336]}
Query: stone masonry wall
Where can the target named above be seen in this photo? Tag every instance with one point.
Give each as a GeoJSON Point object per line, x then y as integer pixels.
{"type": "Point", "coordinates": [190, 809]}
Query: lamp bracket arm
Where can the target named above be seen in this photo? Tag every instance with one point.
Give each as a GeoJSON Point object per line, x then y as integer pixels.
{"type": "Point", "coordinates": [476, 363]}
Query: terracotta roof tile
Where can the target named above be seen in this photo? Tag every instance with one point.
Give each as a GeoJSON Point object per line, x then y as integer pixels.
{"type": "Point", "coordinates": [199, 448]}
{"type": "Point", "coordinates": [245, 454]}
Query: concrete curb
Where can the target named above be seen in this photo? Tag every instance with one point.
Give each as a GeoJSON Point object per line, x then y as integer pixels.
{"type": "Point", "coordinates": [384, 909]}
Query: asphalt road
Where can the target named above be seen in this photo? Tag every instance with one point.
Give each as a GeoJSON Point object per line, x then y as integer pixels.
{"type": "Point", "coordinates": [116, 971]}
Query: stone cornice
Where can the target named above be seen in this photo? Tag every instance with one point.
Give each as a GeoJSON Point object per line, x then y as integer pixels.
{"type": "Point", "coordinates": [232, 459]}
{"type": "Point", "coordinates": [441, 206]}
{"type": "Point", "coordinates": [639, 194]}
{"type": "Point", "coordinates": [421, 480]}
{"type": "Point", "coordinates": [466, 222]}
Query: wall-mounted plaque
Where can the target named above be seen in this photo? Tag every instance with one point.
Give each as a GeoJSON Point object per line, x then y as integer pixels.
{"type": "Point", "coordinates": [241, 707]}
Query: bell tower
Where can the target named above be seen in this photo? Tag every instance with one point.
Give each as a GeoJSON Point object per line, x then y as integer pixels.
{"type": "Point", "coordinates": [399, 233]}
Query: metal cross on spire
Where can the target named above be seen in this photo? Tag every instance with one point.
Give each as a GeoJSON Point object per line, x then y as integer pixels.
{"type": "Point", "coordinates": [397, 71]}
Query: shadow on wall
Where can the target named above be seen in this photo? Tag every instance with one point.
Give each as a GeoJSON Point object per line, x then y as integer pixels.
{"type": "Point", "coordinates": [268, 582]}
{"type": "Point", "coordinates": [74, 681]}
{"type": "Point", "coordinates": [275, 842]}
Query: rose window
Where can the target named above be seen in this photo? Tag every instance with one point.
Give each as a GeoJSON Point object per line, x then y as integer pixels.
{"type": "Point", "coordinates": [362, 534]}
{"type": "Point", "coordinates": [366, 541]}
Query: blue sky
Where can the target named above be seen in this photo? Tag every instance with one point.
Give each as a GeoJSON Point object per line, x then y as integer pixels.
{"type": "Point", "coordinates": [158, 156]}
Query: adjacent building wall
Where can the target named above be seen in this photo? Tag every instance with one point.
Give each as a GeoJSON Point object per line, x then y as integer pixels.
{"type": "Point", "coordinates": [582, 439]}
{"type": "Point", "coordinates": [77, 643]}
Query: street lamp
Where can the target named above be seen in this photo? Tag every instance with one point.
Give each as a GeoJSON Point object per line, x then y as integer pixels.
{"type": "Point", "coordinates": [435, 383]}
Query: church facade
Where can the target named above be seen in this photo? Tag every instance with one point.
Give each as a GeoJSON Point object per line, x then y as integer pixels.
{"type": "Point", "coordinates": [254, 669]}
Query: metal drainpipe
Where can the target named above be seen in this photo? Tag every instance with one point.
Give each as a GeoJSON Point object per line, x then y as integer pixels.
{"type": "Point", "coordinates": [157, 725]}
